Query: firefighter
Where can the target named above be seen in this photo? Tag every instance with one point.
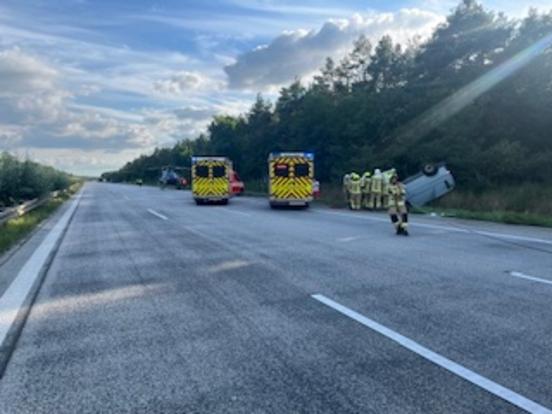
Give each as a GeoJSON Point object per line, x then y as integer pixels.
{"type": "Point", "coordinates": [376, 189]}
{"type": "Point", "coordinates": [356, 192]}
{"type": "Point", "coordinates": [366, 183]}
{"type": "Point", "coordinates": [385, 191]}
{"type": "Point", "coordinates": [397, 205]}
{"type": "Point", "coordinates": [347, 189]}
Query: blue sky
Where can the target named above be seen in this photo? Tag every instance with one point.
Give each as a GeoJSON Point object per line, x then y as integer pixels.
{"type": "Point", "coordinates": [86, 85]}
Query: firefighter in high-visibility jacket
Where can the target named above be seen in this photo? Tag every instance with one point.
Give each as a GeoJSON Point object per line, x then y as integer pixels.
{"type": "Point", "coordinates": [385, 191]}
{"type": "Point", "coordinates": [376, 190]}
{"type": "Point", "coordinates": [397, 205]}
{"type": "Point", "coordinates": [347, 189]}
{"type": "Point", "coordinates": [356, 192]}
{"type": "Point", "coordinates": [366, 184]}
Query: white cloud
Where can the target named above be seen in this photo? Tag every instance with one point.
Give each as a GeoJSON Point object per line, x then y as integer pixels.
{"type": "Point", "coordinates": [10, 135]}
{"type": "Point", "coordinates": [91, 125]}
{"type": "Point", "coordinates": [299, 53]}
{"type": "Point", "coordinates": [292, 8]}
{"type": "Point", "coordinates": [516, 8]}
{"type": "Point", "coordinates": [81, 100]}
{"type": "Point", "coordinates": [21, 73]}
{"type": "Point", "coordinates": [39, 115]}
{"type": "Point", "coordinates": [183, 82]}
{"type": "Point", "coordinates": [196, 113]}
{"type": "Point", "coordinates": [84, 162]}
{"type": "Point", "coordinates": [64, 93]}
{"type": "Point", "coordinates": [29, 90]}
{"type": "Point", "coordinates": [36, 111]}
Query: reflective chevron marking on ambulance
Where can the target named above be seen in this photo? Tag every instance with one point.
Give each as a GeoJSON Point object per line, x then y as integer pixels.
{"type": "Point", "coordinates": [210, 187]}
{"type": "Point", "coordinates": [205, 187]}
{"type": "Point", "coordinates": [291, 187]}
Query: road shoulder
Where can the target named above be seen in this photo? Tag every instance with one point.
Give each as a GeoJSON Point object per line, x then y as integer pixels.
{"type": "Point", "coordinates": [22, 275]}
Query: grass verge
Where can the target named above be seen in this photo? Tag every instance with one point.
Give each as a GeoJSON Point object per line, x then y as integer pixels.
{"type": "Point", "coordinates": [508, 217]}
{"type": "Point", "coordinates": [16, 229]}
{"type": "Point", "coordinates": [527, 204]}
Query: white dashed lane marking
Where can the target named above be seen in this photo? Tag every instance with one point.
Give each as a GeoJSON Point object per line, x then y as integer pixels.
{"type": "Point", "coordinates": [156, 214]}
{"type": "Point", "coordinates": [531, 278]}
{"type": "Point", "coordinates": [349, 239]}
{"type": "Point", "coordinates": [451, 366]}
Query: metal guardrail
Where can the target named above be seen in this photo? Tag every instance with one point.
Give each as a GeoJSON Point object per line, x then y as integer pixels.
{"type": "Point", "coordinates": [24, 208]}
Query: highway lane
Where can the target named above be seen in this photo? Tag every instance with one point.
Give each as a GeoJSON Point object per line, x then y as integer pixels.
{"type": "Point", "coordinates": [153, 304]}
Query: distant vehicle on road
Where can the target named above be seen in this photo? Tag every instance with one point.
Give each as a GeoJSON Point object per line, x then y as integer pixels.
{"type": "Point", "coordinates": [433, 182]}
{"type": "Point", "coordinates": [139, 182]}
{"type": "Point", "coordinates": [169, 176]}
{"type": "Point", "coordinates": [291, 178]}
{"type": "Point", "coordinates": [211, 179]}
{"type": "Point", "coordinates": [237, 187]}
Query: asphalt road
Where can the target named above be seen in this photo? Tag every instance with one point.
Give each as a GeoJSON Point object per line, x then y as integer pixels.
{"type": "Point", "coordinates": [155, 305]}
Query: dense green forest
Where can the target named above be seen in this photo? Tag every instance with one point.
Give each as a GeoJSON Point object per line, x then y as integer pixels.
{"type": "Point", "coordinates": [477, 94]}
{"type": "Point", "coordinates": [25, 180]}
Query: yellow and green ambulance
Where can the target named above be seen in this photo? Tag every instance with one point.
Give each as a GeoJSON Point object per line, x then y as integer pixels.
{"type": "Point", "coordinates": [291, 178]}
{"type": "Point", "coordinates": [211, 179]}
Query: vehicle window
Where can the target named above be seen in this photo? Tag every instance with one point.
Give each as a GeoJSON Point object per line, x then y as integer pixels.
{"type": "Point", "coordinates": [281, 170]}
{"type": "Point", "coordinates": [202, 171]}
{"type": "Point", "coordinates": [301, 170]}
{"type": "Point", "coordinates": [236, 176]}
{"type": "Point", "coordinates": [219, 171]}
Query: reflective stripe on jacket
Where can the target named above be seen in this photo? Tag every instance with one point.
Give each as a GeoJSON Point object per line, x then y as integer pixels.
{"type": "Point", "coordinates": [397, 195]}
{"type": "Point", "coordinates": [355, 186]}
{"type": "Point", "coordinates": [377, 184]}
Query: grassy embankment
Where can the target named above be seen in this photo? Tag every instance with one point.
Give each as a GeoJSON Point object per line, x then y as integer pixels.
{"type": "Point", "coordinates": [527, 204]}
{"type": "Point", "coordinates": [17, 228]}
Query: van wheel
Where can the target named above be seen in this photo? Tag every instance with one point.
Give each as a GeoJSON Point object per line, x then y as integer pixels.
{"type": "Point", "coordinates": [430, 170]}
{"type": "Point", "coordinates": [199, 202]}
{"type": "Point", "coordinates": [224, 202]}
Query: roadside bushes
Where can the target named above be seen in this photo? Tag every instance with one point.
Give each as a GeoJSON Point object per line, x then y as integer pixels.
{"type": "Point", "coordinates": [25, 180]}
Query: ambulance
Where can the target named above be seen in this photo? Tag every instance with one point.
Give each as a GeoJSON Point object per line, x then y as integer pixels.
{"type": "Point", "coordinates": [291, 178]}
{"type": "Point", "coordinates": [211, 179]}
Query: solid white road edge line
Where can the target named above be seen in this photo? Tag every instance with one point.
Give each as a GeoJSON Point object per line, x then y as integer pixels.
{"type": "Point", "coordinates": [451, 366]}
{"type": "Point", "coordinates": [529, 277]}
{"type": "Point", "coordinates": [447, 228]}
{"type": "Point", "coordinates": [156, 214]}
{"type": "Point", "coordinates": [14, 297]}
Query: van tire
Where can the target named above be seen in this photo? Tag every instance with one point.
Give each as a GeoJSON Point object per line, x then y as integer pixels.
{"type": "Point", "coordinates": [430, 170]}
